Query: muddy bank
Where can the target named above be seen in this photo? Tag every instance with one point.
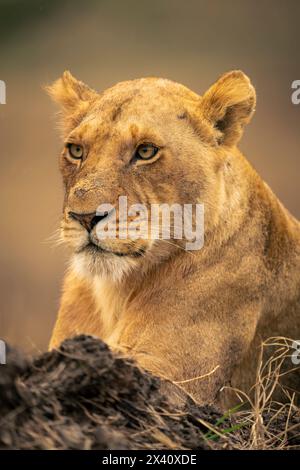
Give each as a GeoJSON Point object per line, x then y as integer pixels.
{"type": "Point", "coordinates": [85, 397]}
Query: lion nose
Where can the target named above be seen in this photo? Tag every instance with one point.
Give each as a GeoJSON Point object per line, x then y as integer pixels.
{"type": "Point", "coordinates": [88, 221]}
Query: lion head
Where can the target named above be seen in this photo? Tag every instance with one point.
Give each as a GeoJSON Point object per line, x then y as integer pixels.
{"type": "Point", "coordinates": [153, 141]}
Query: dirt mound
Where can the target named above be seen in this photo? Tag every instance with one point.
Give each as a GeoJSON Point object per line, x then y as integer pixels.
{"type": "Point", "coordinates": [85, 397]}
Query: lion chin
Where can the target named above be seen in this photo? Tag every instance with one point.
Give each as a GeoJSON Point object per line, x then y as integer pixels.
{"type": "Point", "coordinates": [94, 262]}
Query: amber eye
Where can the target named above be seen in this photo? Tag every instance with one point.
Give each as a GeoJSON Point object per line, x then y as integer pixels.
{"type": "Point", "coordinates": [75, 151]}
{"type": "Point", "coordinates": [146, 151]}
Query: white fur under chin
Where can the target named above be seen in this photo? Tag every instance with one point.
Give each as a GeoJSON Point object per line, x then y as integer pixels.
{"type": "Point", "coordinates": [108, 266]}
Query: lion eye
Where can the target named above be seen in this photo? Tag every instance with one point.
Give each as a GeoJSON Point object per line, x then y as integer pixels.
{"type": "Point", "coordinates": [75, 151]}
{"type": "Point", "coordinates": [146, 151]}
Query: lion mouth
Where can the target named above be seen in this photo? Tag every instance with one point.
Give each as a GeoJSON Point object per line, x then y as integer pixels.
{"type": "Point", "coordinates": [96, 250]}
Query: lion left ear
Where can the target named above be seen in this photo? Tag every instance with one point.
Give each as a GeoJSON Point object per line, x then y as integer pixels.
{"type": "Point", "coordinates": [74, 98]}
{"type": "Point", "coordinates": [229, 105]}
{"type": "Point", "coordinates": [70, 93]}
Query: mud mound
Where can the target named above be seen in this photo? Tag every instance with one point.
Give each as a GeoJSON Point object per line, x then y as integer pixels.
{"type": "Point", "coordinates": [85, 397]}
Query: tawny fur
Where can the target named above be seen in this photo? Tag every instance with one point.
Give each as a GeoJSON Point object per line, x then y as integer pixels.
{"type": "Point", "coordinates": [179, 314]}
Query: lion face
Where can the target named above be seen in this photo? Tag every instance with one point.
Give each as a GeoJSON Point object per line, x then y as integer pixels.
{"type": "Point", "coordinates": [152, 141]}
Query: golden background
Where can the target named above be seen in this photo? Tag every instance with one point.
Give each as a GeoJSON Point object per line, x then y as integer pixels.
{"type": "Point", "coordinates": [103, 42]}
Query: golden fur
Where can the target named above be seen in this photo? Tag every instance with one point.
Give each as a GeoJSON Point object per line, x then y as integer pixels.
{"type": "Point", "coordinates": [179, 314]}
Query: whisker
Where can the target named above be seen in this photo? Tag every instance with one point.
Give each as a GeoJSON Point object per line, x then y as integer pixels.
{"type": "Point", "coordinates": [54, 238]}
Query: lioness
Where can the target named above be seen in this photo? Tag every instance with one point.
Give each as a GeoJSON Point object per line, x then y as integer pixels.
{"type": "Point", "coordinates": [194, 317]}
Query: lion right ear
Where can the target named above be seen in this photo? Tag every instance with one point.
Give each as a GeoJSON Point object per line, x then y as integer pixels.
{"type": "Point", "coordinates": [228, 106]}
{"type": "Point", "coordinates": [73, 96]}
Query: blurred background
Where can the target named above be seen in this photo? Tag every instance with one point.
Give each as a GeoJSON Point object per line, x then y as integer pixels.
{"type": "Point", "coordinates": [103, 42]}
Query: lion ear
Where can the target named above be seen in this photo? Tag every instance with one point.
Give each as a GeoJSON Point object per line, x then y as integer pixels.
{"type": "Point", "coordinates": [228, 105]}
{"type": "Point", "coordinates": [70, 93]}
